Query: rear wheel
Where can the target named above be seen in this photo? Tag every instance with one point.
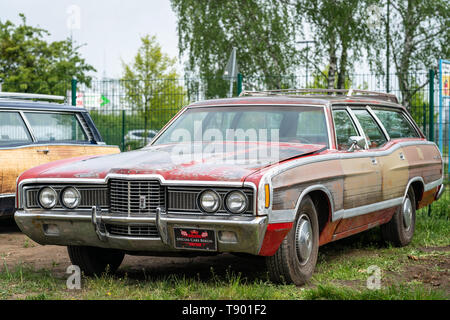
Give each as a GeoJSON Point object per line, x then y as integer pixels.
{"type": "Point", "coordinates": [400, 230]}
{"type": "Point", "coordinates": [95, 261]}
{"type": "Point", "coordinates": [296, 258]}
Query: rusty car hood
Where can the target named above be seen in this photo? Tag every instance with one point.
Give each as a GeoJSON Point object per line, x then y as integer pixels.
{"type": "Point", "coordinates": [185, 162]}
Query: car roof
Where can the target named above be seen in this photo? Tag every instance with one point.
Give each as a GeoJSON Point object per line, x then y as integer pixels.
{"type": "Point", "coordinates": [37, 105]}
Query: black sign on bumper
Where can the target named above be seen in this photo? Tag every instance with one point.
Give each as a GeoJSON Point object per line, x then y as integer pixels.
{"type": "Point", "coordinates": [195, 239]}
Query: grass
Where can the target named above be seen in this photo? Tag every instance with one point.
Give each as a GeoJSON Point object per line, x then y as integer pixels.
{"type": "Point", "coordinates": [394, 292]}
{"type": "Point", "coordinates": [341, 273]}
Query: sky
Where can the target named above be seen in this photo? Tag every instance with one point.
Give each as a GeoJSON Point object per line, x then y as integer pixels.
{"type": "Point", "coordinates": [110, 30]}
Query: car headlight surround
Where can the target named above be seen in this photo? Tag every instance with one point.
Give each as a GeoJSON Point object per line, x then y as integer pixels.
{"type": "Point", "coordinates": [47, 197]}
{"type": "Point", "coordinates": [236, 202]}
{"type": "Point", "coordinates": [209, 201]}
{"type": "Point", "coordinates": [70, 197]}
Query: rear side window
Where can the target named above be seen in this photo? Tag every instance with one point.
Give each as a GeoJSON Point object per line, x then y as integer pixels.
{"type": "Point", "coordinates": [395, 123]}
{"type": "Point", "coordinates": [374, 135]}
{"type": "Point", "coordinates": [56, 127]}
{"type": "Point", "coordinates": [13, 130]}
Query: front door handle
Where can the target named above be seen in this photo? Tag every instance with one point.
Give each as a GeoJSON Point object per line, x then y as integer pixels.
{"type": "Point", "coordinates": [44, 151]}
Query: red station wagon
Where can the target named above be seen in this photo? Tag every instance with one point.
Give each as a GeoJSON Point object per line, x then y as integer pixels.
{"type": "Point", "coordinates": [275, 174]}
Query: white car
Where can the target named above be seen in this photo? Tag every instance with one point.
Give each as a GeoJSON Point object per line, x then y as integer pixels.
{"type": "Point", "coordinates": [139, 135]}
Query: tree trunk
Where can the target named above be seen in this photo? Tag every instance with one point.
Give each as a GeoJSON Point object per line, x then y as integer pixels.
{"type": "Point", "coordinates": [342, 67]}
{"type": "Point", "coordinates": [332, 63]}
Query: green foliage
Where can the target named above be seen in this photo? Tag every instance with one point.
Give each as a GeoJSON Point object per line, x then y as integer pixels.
{"type": "Point", "coordinates": [394, 292]}
{"type": "Point", "coordinates": [151, 85]}
{"type": "Point", "coordinates": [262, 31]}
{"type": "Point", "coordinates": [28, 63]}
{"type": "Point", "coordinates": [418, 37]}
{"type": "Point", "coordinates": [339, 30]}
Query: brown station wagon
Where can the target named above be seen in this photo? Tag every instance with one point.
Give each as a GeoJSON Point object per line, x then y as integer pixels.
{"type": "Point", "coordinates": [34, 133]}
{"type": "Point", "coordinates": [274, 174]}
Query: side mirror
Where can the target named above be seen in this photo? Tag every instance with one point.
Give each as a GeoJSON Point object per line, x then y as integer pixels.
{"type": "Point", "coordinates": [356, 141]}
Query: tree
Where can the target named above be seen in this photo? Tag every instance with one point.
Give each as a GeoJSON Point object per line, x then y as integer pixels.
{"type": "Point", "coordinates": [30, 64]}
{"type": "Point", "coordinates": [151, 84]}
{"type": "Point", "coordinates": [262, 31]}
{"type": "Point", "coordinates": [418, 37]}
{"type": "Point", "coordinates": [339, 31]}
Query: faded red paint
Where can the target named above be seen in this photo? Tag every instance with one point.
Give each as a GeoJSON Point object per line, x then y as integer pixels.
{"type": "Point", "coordinates": [355, 225]}
{"type": "Point", "coordinates": [275, 233]}
{"type": "Point", "coordinates": [427, 197]}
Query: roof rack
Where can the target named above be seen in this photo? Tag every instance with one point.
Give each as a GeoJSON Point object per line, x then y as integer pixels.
{"type": "Point", "coordinates": [30, 96]}
{"type": "Point", "coordinates": [321, 92]}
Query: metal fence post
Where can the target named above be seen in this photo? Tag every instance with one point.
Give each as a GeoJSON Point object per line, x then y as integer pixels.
{"type": "Point", "coordinates": [74, 91]}
{"type": "Point", "coordinates": [431, 98]}
{"type": "Point", "coordinates": [424, 118]}
{"type": "Point", "coordinates": [123, 130]}
{"type": "Point", "coordinates": [239, 83]}
{"type": "Point", "coordinates": [431, 120]}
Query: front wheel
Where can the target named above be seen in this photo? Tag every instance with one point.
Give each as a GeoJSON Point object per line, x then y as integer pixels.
{"type": "Point", "coordinates": [296, 258]}
{"type": "Point", "coordinates": [95, 261]}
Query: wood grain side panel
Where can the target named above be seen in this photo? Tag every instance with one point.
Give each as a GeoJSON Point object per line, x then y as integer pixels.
{"type": "Point", "coordinates": [290, 184]}
{"type": "Point", "coordinates": [395, 175]}
{"type": "Point", "coordinates": [63, 152]}
{"type": "Point", "coordinates": [362, 183]}
{"type": "Point", "coordinates": [424, 161]}
{"type": "Point", "coordinates": [15, 161]}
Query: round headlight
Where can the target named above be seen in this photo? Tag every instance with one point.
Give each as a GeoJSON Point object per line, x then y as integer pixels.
{"type": "Point", "coordinates": [48, 197]}
{"type": "Point", "coordinates": [209, 201]}
{"type": "Point", "coordinates": [236, 202]}
{"type": "Point", "coordinates": [70, 197]}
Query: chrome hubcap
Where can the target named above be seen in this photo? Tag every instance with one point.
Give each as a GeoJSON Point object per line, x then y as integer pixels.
{"type": "Point", "coordinates": [304, 241]}
{"type": "Point", "coordinates": [407, 213]}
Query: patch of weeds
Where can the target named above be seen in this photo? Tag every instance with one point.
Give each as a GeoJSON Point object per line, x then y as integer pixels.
{"type": "Point", "coordinates": [24, 281]}
{"type": "Point", "coordinates": [413, 291]}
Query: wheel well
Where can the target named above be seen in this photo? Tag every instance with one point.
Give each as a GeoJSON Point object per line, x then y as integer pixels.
{"type": "Point", "coordinates": [418, 190]}
{"type": "Point", "coordinates": [323, 207]}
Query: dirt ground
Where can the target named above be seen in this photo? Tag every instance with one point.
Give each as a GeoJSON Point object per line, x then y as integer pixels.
{"type": "Point", "coordinates": [16, 248]}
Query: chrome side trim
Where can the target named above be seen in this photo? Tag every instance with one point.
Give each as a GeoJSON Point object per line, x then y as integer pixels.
{"type": "Point", "coordinates": [440, 192]}
{"type": "Point", "coordinates": [59, 144]}
{"type": "Point", "coordinates": [340, 156]}
{"type": "Point", "coordinates": [7, 195]}
{"type": "Point", "coordinates": [359, 211]}
{"type": "Point", "coordinates": [433, 184]}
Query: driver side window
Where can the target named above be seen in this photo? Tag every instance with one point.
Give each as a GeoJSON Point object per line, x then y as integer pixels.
{"type": "Point", "coordinates": [344, 129]}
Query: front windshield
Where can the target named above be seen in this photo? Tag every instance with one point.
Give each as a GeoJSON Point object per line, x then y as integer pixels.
{"type": "Point", "coordinates": [306, 125]}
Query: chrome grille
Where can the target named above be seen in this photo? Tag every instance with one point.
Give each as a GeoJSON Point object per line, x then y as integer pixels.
{"type": "Point", "coordinates": [135, 198]}
{"type": "Point", "coordinates": [90, 196]}
{"type": "Point", "coordinates": [183, 200]}
{"type": "Point", "coordinates": [149, 231]}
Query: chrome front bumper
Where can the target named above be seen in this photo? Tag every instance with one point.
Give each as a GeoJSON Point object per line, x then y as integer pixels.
{"type": "Point", "coordinates": [64, 229]}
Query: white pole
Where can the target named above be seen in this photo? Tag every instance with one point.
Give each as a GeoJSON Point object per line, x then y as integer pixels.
{"type": "Point", "coordinates": [233, 64]}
